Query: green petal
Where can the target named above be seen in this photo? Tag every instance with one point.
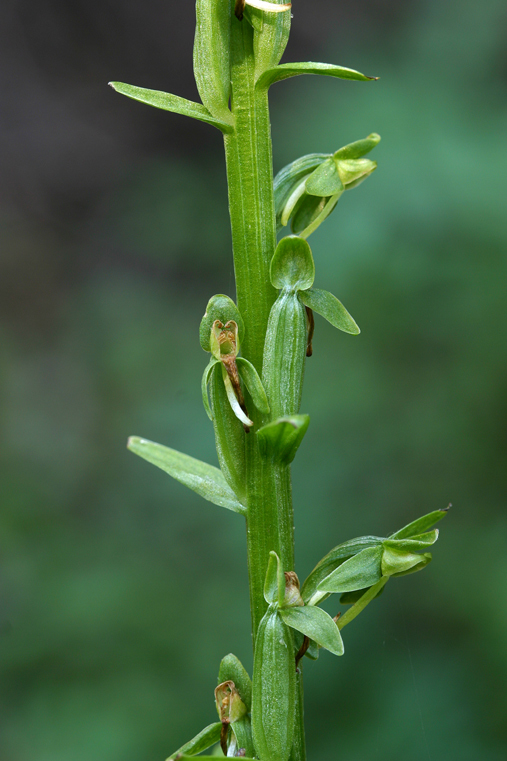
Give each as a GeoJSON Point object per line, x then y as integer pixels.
{"type": "Point", "coordinates": [361, 571]}
{"type": "Point", "coordinates": [325, 180]}
{"type": "Point", "coordinates": [292, 265]}
{"type": "Point", "coordinates": [204, 386]}
{"type": "Point", "coordinates": [274, 584]}
{"type": "Point", "coordinates": [420, 525]}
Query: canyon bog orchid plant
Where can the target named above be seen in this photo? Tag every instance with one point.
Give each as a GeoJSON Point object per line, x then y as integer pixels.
{"type": "Point", "coordinates": [252, 385]}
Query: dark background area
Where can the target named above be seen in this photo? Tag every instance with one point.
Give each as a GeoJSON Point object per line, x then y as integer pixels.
{"type": "Point", "coordinates": [121, 590]}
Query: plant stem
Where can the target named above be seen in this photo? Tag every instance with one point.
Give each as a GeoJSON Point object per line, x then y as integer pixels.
{"type": "Point", "coordinates": [250, 179]}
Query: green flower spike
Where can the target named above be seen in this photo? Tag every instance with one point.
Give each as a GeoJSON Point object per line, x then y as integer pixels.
{"type": "Point", "coordinates": [220, 332]}
{"type": "Point", "coordinates": [307, 191]}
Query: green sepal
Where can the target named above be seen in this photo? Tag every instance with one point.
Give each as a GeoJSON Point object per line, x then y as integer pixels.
{"type": "Point", "coordinates": [204, 479]}
{"type": "Point", "coordinates": [229, 436]}
{"type": "Point", "coordinates": [204, 385]}
{"type": "Point", "coordinates": [274, 584]}
{"type": "Point", "coordinates": [316, 624]}
{"type": "Point", "coordinates": [310, 212]}
{"type": "Point", "coordinates": [396, 563]}
{"type": "Point", "coordinates": [361, 571]}
{"type": "Point", "coordinates": [252, 381]}
{"type": "Point", "coordinates": [328, 306]}
{"type": "Point", "coordinates": [274, 689]}
{"type": "Point", "coordinates": [350, 598]}
{"type": "Point", "coordinates": [420, 525]}
{"type": "Point", "coordinates": [325, 180]}
{"type": "Point", "coordinates": [221, 308]}
{"type": "Point", "coordinates": [357, 149]}
{"type": "Point", "coordinates": [204, 740]}
{"type": "Point", "coordinates": [286, 70]}
{"type": "Point", "coordinates": [418, 542]}
{"type": "Point", "coordinates": [280, 440]}
{"type": "Point", "coordinates": [168, 102]}
{"type": "Point", "coordinates": [231, 669]}
{"type": "Point", "coordinates": [212, 44]}
{"type": "Point", "coordinates": [335, 558]}
{"type": "Point", "coordinates": [292, 265]}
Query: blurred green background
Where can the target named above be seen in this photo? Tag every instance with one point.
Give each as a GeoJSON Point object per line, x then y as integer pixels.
{"type": "Point", "coordinates": [121, 590]}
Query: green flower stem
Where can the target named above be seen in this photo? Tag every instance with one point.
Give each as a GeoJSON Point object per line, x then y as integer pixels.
{"type": "Point", "coordinates": [250, 180]}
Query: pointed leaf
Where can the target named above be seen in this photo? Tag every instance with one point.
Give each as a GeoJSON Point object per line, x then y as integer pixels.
{"type": "Point", "coordinates": [396, 561]}
{"type": "Point", "coordinates": [415, 543]}
{"type": "Point", "coordinates": [204, 740]}
{"type": "Point", "coordinates": [292, 265]}
{"type": "Point", "coordinates": [286, 70]}
{"type": "Point", "coordinates": [252, 381]}
{"type": "Point", "coordinates": [335, 558]}
{"type": "Point", "coordinates": [420, 525]}
{"type": "Point", "coordinates": [280, 439]}
{"type": "Point", "coordinates": [202, 478]}
{"type": "Point", "coordinates": [316, 624]}
{"type": "Point", "coordinates": [274, 585]}
{"type": "Point", "coordinates": [168, 102]}
{"type": "Point", "coordinates": [361, 571]}
{"type": "Point", "coordinates": [310, 212]}
{"type": "Point", "coordinates": [359, 148]}
{"type": "Point", "coordinates": [325, 180]}
{"type": "Point", "coordinates": [204, 386]}
{"type": "Point", "coordinates": [328, 306]}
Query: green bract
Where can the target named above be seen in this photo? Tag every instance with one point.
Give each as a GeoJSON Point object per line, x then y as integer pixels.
{"type": "Point", "coordinates": [308, 189]}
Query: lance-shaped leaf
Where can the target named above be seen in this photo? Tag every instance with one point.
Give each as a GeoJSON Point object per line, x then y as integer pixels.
{"type": "Point", "coordinates": [250, 378]}
{"type": "Point", "coordinates": [316, 624]}
{"type": "Point", "coordinates": [274, 688]}
{"type": "Point", "coordinates": [398, 563]}
{"type": "Point", "coordinates": [168, 102]}
{"type": "Point", "coordinates": [202, 478]}
{"type": "Point", "coordinates": [274, 584]}
{"type": "Point", "coordinates": [231, 669]}
{"type": "Point", "coordinates": [204, 385]}
{"type": "Point", "coordinates": [209, 736]}
{"type": "Point", "coordinates": [336, 558]}
{"type": "Point", "coordinates": [420, 525]}
{"type": "Point", "coordinates": [359, 572]}
{"type": "Point", "coordinates": [292, 265]}
{"type": "Point", "coordinates": [286, 70]}
{"type": "Point", "coordinates": [328, 306]}
{"type": "Point", "coordinates": [415, 543]}
{"type": "Point", "coordinates": [280, 439]}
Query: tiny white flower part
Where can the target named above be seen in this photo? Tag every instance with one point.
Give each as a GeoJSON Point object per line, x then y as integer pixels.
{"type": "Point", "coordinates": [262, 5]}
